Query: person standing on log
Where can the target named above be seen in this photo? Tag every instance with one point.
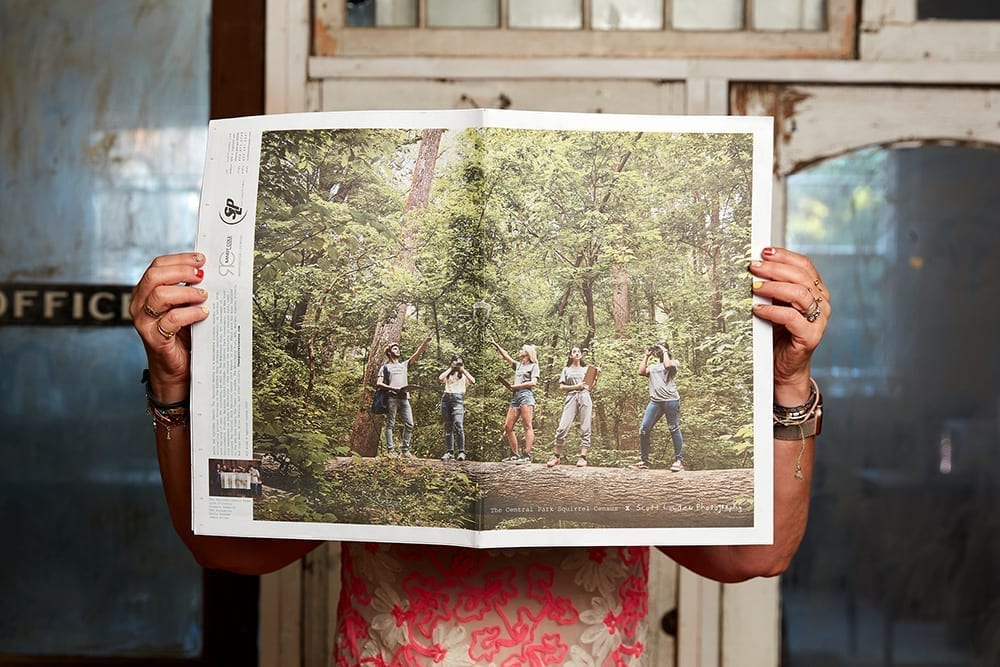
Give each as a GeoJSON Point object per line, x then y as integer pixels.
{"type": "Point", "coordinates": [456, 378]}
{"type": "Point", "coordinates": [522, 400]}
{"type": "Point", "coordinates": [664, 401]}
{"type": "Point", "coordinates": [586, 605]}
{"type": "Point", "coordinates": [577, 406]}
{"type": "Point", "coordinates": [399, 397]}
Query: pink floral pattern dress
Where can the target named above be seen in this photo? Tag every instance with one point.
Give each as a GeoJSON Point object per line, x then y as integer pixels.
{"type": "Point", "coordinates": [433, 605]}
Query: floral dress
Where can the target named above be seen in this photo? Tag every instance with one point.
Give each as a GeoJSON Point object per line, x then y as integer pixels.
{"type": "Point", "coordinates": [434, 605]}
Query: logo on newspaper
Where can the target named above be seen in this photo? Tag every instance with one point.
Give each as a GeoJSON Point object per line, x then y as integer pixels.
{"type": "Point", "coordinates": [227, 260]}
{"type": "Point", "coordinates": [232, 213]}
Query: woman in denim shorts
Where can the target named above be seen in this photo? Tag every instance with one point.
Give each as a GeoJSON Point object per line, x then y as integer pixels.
{"type": "Point", "coordinates": [522, 401]}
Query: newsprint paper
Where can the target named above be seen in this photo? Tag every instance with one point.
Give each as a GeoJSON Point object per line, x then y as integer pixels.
{"type": "Point", "coordinates": [558, 302]}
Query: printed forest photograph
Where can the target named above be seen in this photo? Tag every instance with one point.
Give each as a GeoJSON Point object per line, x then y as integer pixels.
{"type": "Point", "coordinates": [500, 328]}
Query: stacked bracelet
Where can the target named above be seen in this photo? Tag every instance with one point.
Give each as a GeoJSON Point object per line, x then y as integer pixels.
{"type": "Point", "coordinates": [801, 422]}
{"type": "Point", "coordinates": [167, 415]}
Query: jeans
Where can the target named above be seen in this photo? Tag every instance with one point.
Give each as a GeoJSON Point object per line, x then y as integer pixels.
{"type": "Point", "coordinates": [453, 413]}
{"type": "Point", "coordinates": [656, 409]}
{"type": "Point", "coordinates": [401, 406]}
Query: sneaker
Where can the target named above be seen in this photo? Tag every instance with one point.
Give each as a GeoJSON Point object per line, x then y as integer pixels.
{"type": "Point", "coordinates": [554, 461]}
{"type": "Point", "coordinates": [513, 458]}
{"type": "Point", "coordinates": [523, 458]}
{"type": "Point", "coordinates": [581, 462]}
{"type": "Point", "coordinates": [390, 452]}
{"type": "Point", "coordinates": [640, 465]}
{"type": "Point", "coordinates": [407, 454]}
{"type": "Point", "coordinates": [461, 456]}
{"type": "Point", "coordinates": [448, 456]}
{"type": "Point", "coordinates": [678, 466]}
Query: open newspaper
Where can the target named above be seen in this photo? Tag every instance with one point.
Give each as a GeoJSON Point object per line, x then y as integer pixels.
{"type": "Point", "coordinates": [409, 310]}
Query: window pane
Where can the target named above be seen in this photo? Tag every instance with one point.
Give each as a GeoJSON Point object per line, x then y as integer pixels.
{"type": "Point", "coordinates": [957, 10]}
{"type": "Point", "coordinates": [627, 15]}
{"type": "Point", "coordinates": [109, 101]}
{"type": "Point", "coordinates": [701, 15]}
{"type": "Point", "coordinates": [463, 13]}
{"type": "Point", "coordinates": [898, 566]}
{"type": "Point", "coordinates": [789, 15]}
{"type": "Point", "coordinates": [561, 14]}
{"type": "Point", "coordinates": [382, 13]}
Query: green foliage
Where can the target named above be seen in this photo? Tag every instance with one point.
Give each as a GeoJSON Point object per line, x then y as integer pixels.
{"type": "Point", "coordinates": [381, 491]}
{"type": "Point", "coordinates": [529, 237]}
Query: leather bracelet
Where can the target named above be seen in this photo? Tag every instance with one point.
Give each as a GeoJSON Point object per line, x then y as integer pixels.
{"type": "Point", "coordinates": [807, 429]}
{"type": "Point", "coordinates": [158, 404]}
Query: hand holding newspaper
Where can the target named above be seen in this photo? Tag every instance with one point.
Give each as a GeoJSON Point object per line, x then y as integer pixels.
{"type": "Point", "coordinates": [333, 238]}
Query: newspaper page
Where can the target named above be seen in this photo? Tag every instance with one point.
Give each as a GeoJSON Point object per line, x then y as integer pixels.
{"type": "Point", "coordinates": [484, 328]}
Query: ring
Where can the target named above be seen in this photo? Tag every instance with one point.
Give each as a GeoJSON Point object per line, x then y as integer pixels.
{"type": "Point", "coordinates": [816, 282]}
{"type": "Point", "coordinates": [149, 311]}
{"type": "Point", "coordinates": [813, 314]}
{"type": "Point", "coordinates": [170, 334]}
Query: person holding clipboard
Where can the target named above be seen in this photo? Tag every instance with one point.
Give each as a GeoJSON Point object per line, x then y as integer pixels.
{"type": "Point", "coordinates": [576, 379]}
{"type": "Point", "coordinates": [522, 400]}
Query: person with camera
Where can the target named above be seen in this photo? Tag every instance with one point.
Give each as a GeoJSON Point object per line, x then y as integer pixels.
{"type": "Point", "coordinates": [664, 401]}
{"type": "Point", "coordinates": [417, 603]}
{"type": "Point", "coordinates": [456, 379]}
{"type": "Point", "coordinates": [577, 406]}
{"type": "Point", "coordinates": [399, 397]}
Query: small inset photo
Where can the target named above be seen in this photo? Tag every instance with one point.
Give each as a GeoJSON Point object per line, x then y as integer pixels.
{"type": "Point", "coordinates": [236, 478]}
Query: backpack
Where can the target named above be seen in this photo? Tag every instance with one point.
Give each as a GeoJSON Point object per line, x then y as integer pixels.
{"type": "Point", "coordinates": [380, 401]}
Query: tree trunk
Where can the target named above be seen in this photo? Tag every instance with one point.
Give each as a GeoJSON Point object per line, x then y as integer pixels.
{"type": "Point", "coordinates": [620, 311]}
{"type": "Point", "coordinates": [367, 427]}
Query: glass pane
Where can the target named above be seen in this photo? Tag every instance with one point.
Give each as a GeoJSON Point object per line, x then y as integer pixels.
{"type": "Point", "coordinates": [958, 10]}
{"type": "Point", "coordinates": [103, 165]}
{"type": "Point", "coordinates": [463, 13]}
{"type": "Point", "coordinates": [559, 14]}
{"type": "Point", "coordinates": [627, 15]}
{"type": "Point", "coordinates": [789, 15]}
{"type": "Point", "coordinates": [701, 15]}
{"type": "Point", "coordinates": [898, 566]}
{"type": "Point", "coordinates": [382, 13]}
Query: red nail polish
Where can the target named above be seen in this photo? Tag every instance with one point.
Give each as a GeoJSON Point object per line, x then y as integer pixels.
{"type": "Point", "coordinates": [767, 252]}
{"type": "Point", "coordinates": [200, 273]}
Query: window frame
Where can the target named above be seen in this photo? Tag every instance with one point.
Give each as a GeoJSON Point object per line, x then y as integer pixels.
{"type": "Point", "coordinates": [332, 37]}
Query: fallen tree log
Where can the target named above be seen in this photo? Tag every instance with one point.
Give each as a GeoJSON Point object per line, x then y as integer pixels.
{"type": "Point", "coordinates": [535, 496]}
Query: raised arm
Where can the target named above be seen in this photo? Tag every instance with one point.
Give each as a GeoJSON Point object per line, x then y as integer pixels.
{"type": "Point", "coordinates": [643, 363]}
{"type": "Point", "coordinates": [503, 353]}
{"type": "Point", "coordinates": [419, 351]}
{"type": "Point", "coordinates": [797, 291]}
{"type": "Point", "coordinates": [162, 311]}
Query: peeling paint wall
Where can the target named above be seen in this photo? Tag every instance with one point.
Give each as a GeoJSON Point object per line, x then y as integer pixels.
{"type": "Point", "coordinates": [105, 108]}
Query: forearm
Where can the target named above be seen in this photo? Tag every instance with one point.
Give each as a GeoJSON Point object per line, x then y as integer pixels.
{"type": "Point", "coordinates": [236, 554]}
{"type": "Point", "coordinates": [791, 509]}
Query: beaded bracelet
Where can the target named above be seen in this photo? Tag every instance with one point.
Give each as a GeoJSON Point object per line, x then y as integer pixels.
{"type": "Point", "coordinates": [167, 415]}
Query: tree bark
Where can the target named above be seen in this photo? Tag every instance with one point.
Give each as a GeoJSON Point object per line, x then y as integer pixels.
{"type": "Point", "coordinates": [367, 427]}
{"type": "Point", "coordinates": [600, 497]}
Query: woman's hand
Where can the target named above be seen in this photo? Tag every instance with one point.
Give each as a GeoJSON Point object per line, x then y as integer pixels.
{"type": "Point", "coordinates": [800, 313]}
{"type": "Point", "coordinates": [164, 306]}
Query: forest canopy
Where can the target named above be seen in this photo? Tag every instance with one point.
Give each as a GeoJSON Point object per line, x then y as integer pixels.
{"type": "Point", "coordinates": [609, 241]}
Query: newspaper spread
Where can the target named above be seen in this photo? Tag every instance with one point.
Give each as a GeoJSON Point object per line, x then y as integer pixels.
{"type": "Point", "coordinates": [484, 328]}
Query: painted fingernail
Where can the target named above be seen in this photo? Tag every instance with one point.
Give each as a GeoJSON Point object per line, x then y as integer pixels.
{"type": "Point", "coordinates": [200, 273]}
{"type": "Point", "coordinates": [198, 257]}
{"type": "Point", "coordinates": [767, 252]}
{"type": "Point", "coordinates": [757, 263]}
{"type": "Point", "coordinates": [203, 292]}
{"type": "Point", "coordinates": [205, 310]}
{"type": "Point", "coordinates": [757, 284]}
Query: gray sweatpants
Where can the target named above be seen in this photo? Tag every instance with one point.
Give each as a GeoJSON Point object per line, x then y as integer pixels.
{"type": "Point", "coordinates": [578, 406]}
